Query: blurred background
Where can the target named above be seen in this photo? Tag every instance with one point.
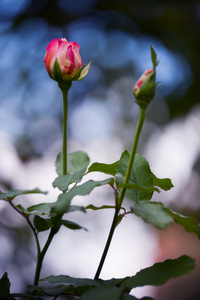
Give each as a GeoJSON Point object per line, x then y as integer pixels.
{"type": "Point", "coordinates": [116, 35]}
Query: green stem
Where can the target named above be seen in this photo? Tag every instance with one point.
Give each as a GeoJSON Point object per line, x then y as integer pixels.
{"type": "Point", "coordinates": [65, 108]}
{"type": "Point", "coordinates": [29, 223]}
{"type": "Point", "coordinates": [65, 86]}
{"type": "Point", "coordinates": [41, 256]}
{"type": "Point", "coordinates": [121, 198]}
{"type": "Point", "coordinates": [133, 151]}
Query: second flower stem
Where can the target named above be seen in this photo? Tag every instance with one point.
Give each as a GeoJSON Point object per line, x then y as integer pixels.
{"type": "Point", "coordinates": [122, 194]}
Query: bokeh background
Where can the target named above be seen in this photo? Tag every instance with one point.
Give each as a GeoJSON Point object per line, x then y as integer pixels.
{"type": "Point", "coordinates": [116, 35]}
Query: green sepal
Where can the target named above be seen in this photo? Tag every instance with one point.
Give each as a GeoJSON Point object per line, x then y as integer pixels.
{"type": "Point", "coordinates": [154, 57]}
{"type": "Point", "coordinates": [65, 86]}
{"type": "Point", "coordinates": [57, 74]}
{"type": "Point", "coordinates": [78, 73]}
{"type": "Point", "coordinates": [84, 72]}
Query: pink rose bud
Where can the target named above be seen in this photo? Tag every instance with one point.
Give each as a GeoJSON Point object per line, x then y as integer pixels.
{"type": "Point", "coordinates": [144, 88]}
{"type": "Point", "coordinates": [62, 60]}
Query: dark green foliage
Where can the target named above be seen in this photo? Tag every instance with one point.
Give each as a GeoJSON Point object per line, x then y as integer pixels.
{"type": "Point", "coordinates": [189, 223]}
{"type": "Point", "coordinates": [4, 287]}
{"type": "Point", "coordinates": [41, 224]}
{"type": "Point", "coordinates": [161, 272]}
{"type": "Point", "coordinates": [118, 289]}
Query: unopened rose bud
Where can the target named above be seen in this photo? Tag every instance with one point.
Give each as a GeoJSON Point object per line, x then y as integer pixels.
{"type": "Point", "coordinates": [63, 61]}
{"type": "Point", "coordinates": [144, 89]}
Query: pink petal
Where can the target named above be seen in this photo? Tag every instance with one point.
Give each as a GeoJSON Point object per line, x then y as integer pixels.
{"type": "Point", "coordinates": [50, 55]}
{"type": "Point", "coordinates": [147, 72]}
{"type": "Point", "coordinates": [78, 60]}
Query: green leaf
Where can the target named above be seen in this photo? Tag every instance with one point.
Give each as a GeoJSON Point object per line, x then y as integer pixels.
{"type": "Point", "coordinates": [72, 225]}
{"type": "Point", "coordinates": [25, 296]}
{"type": "Point", "coordinates": [138, 187]}
{"type": "Point", "coordinates": [23, 210]}
{"type": "Point", "coordinates": [113, 281]}
{"type": "Point", "coordinates": [126, 296]}
{"type": "Point", "coordinates": [65, 279]}
{"type": "Point", "coordinates": [4, 287]}
{"type": "Point", "coordinates": [28, 213]}
{"type": "Point", "coordinates": [103, 293]}
{"type": "Point", "coordinates": [88, 186]}
{"type": "Point", "coordinates": [164, 183]}
{"type": "Point", "coordinates": [62, 182]}
{"type": "Point", "coordinates": [67, 284]}
{"type": "Point", "coordinates": [76, 162]}
{"type": "Point", "coordinates": [88, 288]}
{"type": "Point", "coordinates": [73, 208]}
{"type": "Point", "coordinates": [104, 168]}
{"type": "Point", "coordinates": [50, 291]}
{"type": "Point", "coordinates": [189, 223]}
{"type": "Point", "coordinates": [41, 208]}
{"type": "Point", "coordinates": [161, 272]}
{"type": "Point", "coordinates": [152, 212]}
{"type": "Point", "coordinates": [63, 203]}
{"type": "Point", "coordinates": [101, 207]}
{"type": "Point", "coordinates": [41, 224]}
{"type": "Point", "coordinates": [154, 57]}
{"type": "Point", "coordinates": [56, 291]}
{"type": "Point", "coordinates": [10, 195]}
{"type": "Point", "coordinates": [140, 175]}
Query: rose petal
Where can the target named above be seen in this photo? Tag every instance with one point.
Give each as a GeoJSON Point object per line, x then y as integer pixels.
{"type": "Point", "coordinates": [50, 55]}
